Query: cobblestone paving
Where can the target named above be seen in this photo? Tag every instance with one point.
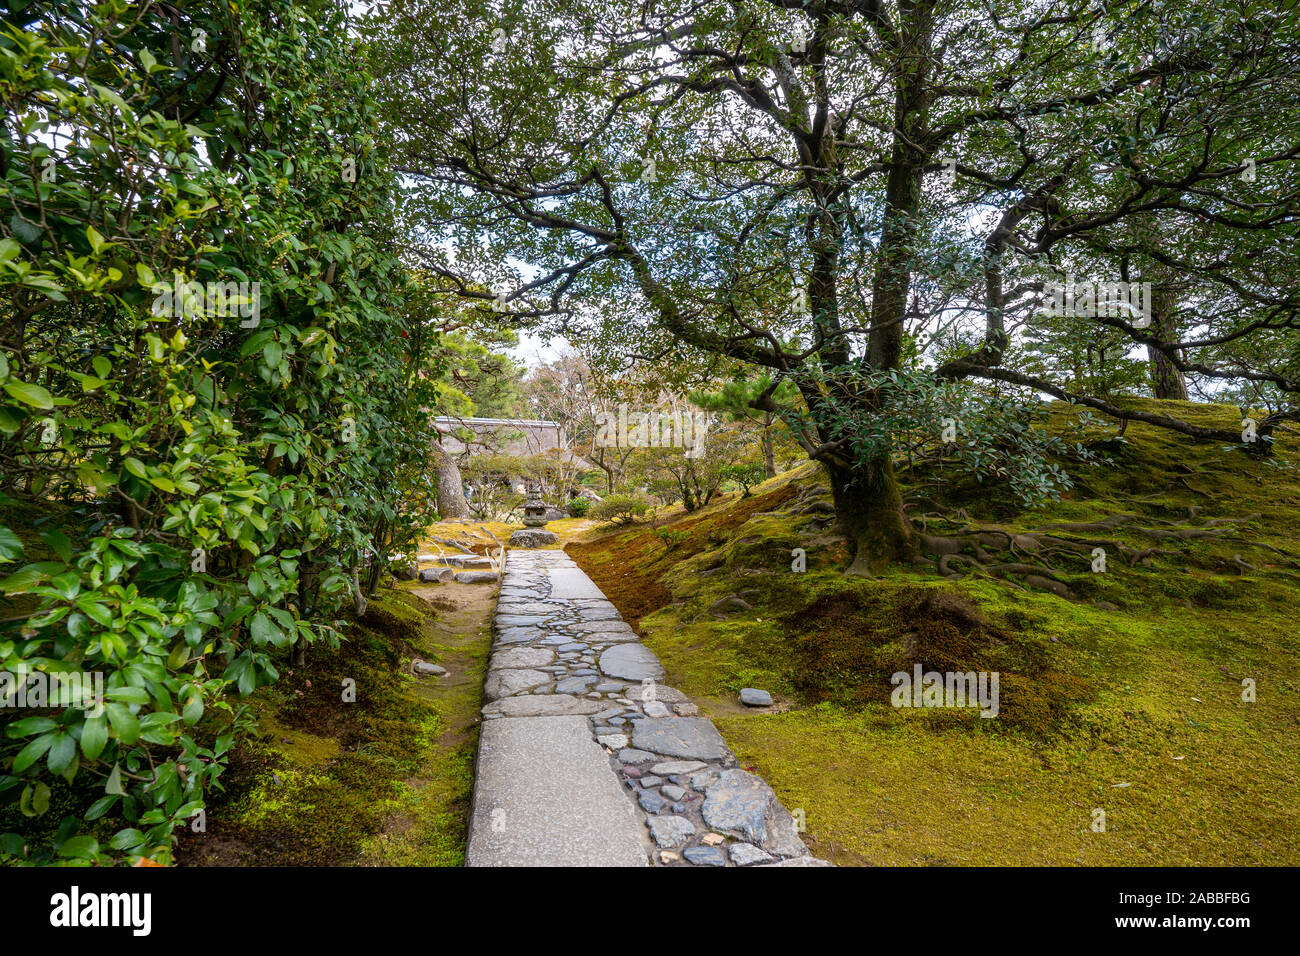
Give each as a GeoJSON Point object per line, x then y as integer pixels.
{"type": "Point", "coordinates": [561, 650]}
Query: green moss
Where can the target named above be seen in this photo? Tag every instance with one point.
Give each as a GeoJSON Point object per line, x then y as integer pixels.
{"type": "Point", "coordinates": [1149, 695]}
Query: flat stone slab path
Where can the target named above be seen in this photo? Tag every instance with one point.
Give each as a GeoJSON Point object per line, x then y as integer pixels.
{"type": "Point", "coordinates": [585, 759]}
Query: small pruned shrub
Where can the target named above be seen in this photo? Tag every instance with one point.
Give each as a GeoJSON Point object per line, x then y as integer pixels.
{"type": "Point", "coordinates": [747, 476]}
{"type": "Point", "coordinates": [672, 538]}
{"type": "Point", "coordinates": [578, 507]}
{"type": "Point", "coordinates": [620, 509]}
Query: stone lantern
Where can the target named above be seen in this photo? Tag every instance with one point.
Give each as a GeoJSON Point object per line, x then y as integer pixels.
{"type": "Point", "coordinates": [535, 513]}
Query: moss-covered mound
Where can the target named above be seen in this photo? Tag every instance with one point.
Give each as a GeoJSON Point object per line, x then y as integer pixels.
{"type": "Point", "coordinates": [1161, 690]}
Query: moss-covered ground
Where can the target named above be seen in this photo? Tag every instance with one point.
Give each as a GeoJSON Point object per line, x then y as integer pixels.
{"type": "Point", "coordinates": [1128, 700]}
{"type": "Point", "coordinates": [385, 780]}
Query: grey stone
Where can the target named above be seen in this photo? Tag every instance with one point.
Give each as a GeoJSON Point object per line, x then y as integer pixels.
{"type": "Point", "coordinates": [651, 802]}
{"type": "Point", "coordinates": [672, 792]}
{"type": "Point", "coordinates": [678, 807]}
{"type": "Point", "coordinates": [403, 572]}
{"type": "Point", "coordinates": [572, 646]}
{"type": "Point", "coordinates": [574, 685]}
{"type": "Point", "coordinates": [609, 687]}
{"type": "Point", "coordinates": [753, 697]}
{"type": "Point", "coordinates": [650, 780]}
{"type": "Point", "coordinates": [607, 613]}
{"type": "Point", "coordinates": [670, 767]}
{"type": "Point", "coordinates": [694, 738]}
{"type": "Point", "coordinates": [585, 672]}
{"type": "Point", "coordinates": [746, 854]}
{"type": "Point", "coordinates": [519, 635]}
{"type": "Point", "coordinates": [670, 832]}
{"type": "Point", "coordinates": [541, 609]}
{"type": "Point", "coordinates": [533, 538]}
{"type": "Point", "coordinates": [504, 621]}
{"type": "Point", "coordinates": [571, 582]}
{"type": "Point", "coordinates": [531, 775]}
{"type": "Point", "coordinates": [659, 692]}
{"type": "Point", "coordinates": [631, 662]}
{"type": "Point", "coordinates": [424, 667]}
{"type": "Point", "coordinates": [742, 805]}
{"type": "Point", "coordinates": [705, 856]}
{"type": "Point", "coordinates": [504, 683]}
{"type": "Point", "coordinates": [545, 705]}
{"type": "Point", "coordinates": [800, 861]}
{"type": "Point", "coordinates": [612, 741]}
{"type": "Point", "coordinates": [655, 708]}
{"type": "Point", "coordinates": [631, 755]}
{"type": "Point", "coordinates": [686, 710]}
{"type": "Point", "coordinates": [476, 577]}
{"type": "Point", "coordinates": [702, 780]}
{"type": "Point", "coordinates": [437, 575]}
{"type": "Point", "coordinates": [521, 657]}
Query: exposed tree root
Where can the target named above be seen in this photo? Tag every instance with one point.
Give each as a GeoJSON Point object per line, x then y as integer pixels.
{"type": "Point", "coordinates": [1031, 559]}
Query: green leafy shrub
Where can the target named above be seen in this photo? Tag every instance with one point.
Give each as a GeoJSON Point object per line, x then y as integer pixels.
{"type": "Point", "coordinates": [747, 476]}
{"type": "Point", "coordinates": [578, 507]}
{"type": "Point", "coordinates": [620, 509]}
{"type": "Point", "coordinates": [194, 479]}
{"type": "Point", "coordinates": [670, 537]}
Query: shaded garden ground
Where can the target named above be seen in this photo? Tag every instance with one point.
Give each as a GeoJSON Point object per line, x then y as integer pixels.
{"type": "Point", "coordinates": [1127, 698]}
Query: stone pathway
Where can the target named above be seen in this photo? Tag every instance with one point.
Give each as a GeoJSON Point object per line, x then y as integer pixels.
{"type": "Point", "coordinates": [585, 759]}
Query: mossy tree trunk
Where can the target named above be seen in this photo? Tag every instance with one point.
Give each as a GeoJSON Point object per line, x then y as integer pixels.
{"type": "Point", "coordinates": [1166, 380]}
{"type": "Point", "coordinates": [869, 506]}
{"type": "Point", "coordinates": [451, 487]}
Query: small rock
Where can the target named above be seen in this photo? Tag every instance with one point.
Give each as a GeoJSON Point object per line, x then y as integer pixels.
{"type": "Point", "coordinates": [635, 756]}
{"type": "Point", "coordinates": [686, 710]}
{"type": "Point", "coordinates": [424, 667]}
{"type": "Point", "coordinates": [679, 808]}
{"type": "Point", "coordinates": [650, 780]}
{"type": "Point", "coordinates": [705, 856]}
{"type": "Point", "coordinates": [533, 538]}
{"type": "Point", "coordinates": [701, 781]}
{"type": "Point", "coordinates": [670, 767]}
{"type": "Point", "coordinates": [651, 802]}
{"type": "Point", "coordinates": [613, 741]}
{"type": "Point", "coordinates": [437, 575]}
{"type": "Point", "coordinates": [746, 854]}
{"type": "Point", "coordinates": [655, 708]}
{"type": "Point", "coordinates": [753, 697]}
{"type": "Point", "coordinates": [671, 831]}
{"type": "Point", "coordinates": [713, 839]}
{"type": "Point", "coordinates": [477, 577]}
{"type": "Point", "coordinates": [672, 792]}
{"type": "Point", "coordinates": [668, 856]}
{"type": "Point", "coordinates": [403, 572]}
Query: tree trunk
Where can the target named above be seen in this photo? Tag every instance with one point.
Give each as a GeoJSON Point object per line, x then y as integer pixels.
{"type": "Point", "coordinates": [870, 510]}
{"type": "Point", "coordinates": [769, 455]}
{"type": "Point", "coordinates": [1166, 380]}
{"type": "Point", "coordinates": [451, 488]}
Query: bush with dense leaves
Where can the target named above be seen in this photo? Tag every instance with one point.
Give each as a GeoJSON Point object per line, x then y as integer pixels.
{"type": "Point", "coordinates": [620, 509]}
{"type": "Point", "coordinates": [189, 494]}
